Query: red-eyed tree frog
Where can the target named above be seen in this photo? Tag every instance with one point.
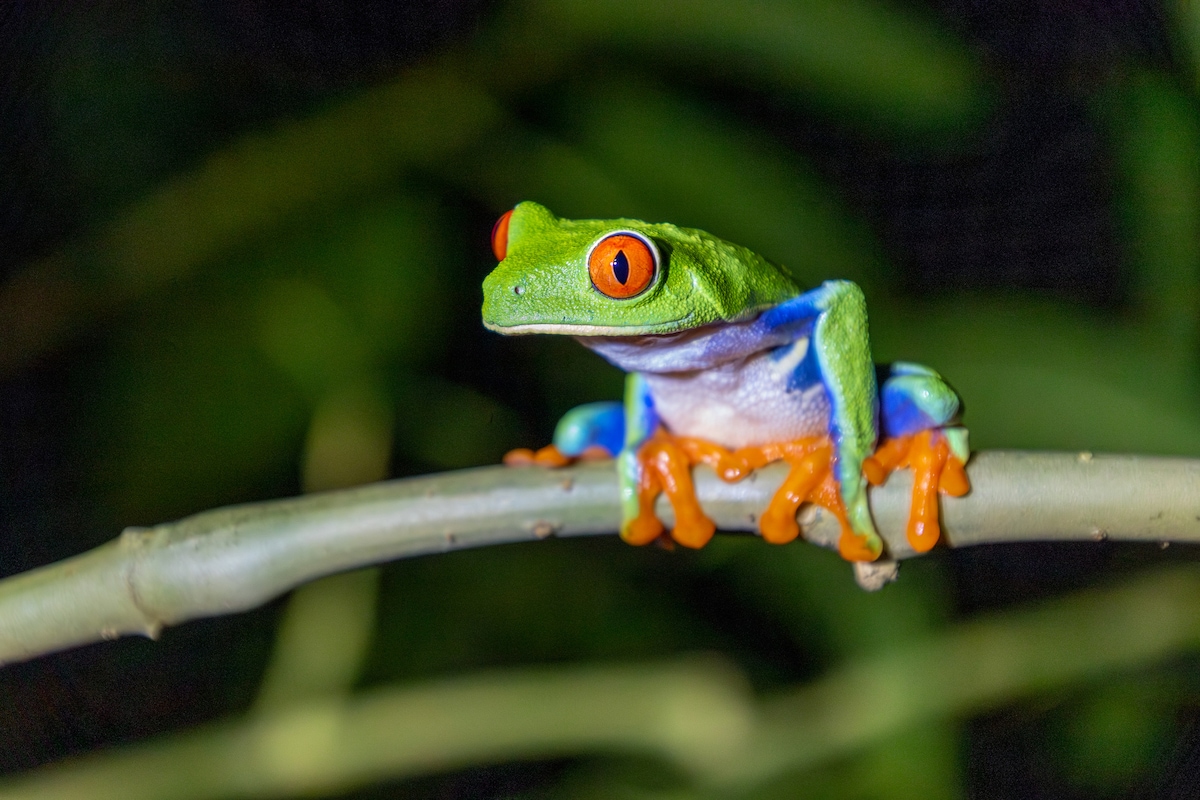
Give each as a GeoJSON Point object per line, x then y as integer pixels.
{"type": "Point", "coordinates": [730, 364]}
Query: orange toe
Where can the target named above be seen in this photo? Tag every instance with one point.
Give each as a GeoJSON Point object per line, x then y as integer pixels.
{"type": "Point", "coordinates": [643, 529]}
{"type": "Point", "coordinates": [778, 526]}
{"type": "Point", "coordinates": [595, 453]}
{"type": "Point", "coordinates": [935, 470]}
{"type": "Point", "coordinates": [809, 464]}
{"type": "Point", "coordinates": [809, 480]}
{"type": "Point", "coordinates": [693, 533]}
{"type": "Point", "coordinates": [927, 458]}
{"type": "Point", "coordinates": [548, 456]}
{"type": "Point", "coordinates": [954, 480]}
{"type": "Point", "coordinates": [853, 547]}
{"type": "Point", "coordinates": [520, 457]}
{"type": "Point", "coordinates": [874, 471]}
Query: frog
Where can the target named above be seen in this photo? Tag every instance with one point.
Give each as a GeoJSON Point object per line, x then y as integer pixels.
{"type": "Point", "coordinates": [729, 364]}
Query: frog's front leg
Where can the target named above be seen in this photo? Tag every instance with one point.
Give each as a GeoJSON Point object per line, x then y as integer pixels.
{"type": "Point", "coordinates": [918, 416]}
{"type": "Point", "coordinates": [587, 432]}
{"type": "Point", "coordinates": [651, 463]}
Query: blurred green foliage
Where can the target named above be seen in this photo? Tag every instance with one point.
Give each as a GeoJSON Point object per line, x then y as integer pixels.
{"type": "Point", "coordinates": [290, 303]}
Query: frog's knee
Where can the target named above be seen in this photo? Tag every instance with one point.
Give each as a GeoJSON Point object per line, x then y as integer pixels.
{"type": "Point", "coordinates": [914, 398]}
{"type": "Point", "coordinates": [590, 425]}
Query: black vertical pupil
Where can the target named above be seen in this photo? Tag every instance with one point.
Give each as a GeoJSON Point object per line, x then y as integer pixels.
{"type": "Point", "coordinates": [620, 267]}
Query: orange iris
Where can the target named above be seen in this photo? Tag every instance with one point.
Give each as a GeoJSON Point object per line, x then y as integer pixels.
{"type": "Point", "coordinates": [500, 236]}
{"type": "Point", "coordinates": [621, 265]}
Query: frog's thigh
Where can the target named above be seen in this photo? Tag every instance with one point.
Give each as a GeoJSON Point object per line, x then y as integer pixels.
{"type": "Point", "coordinates": [591, 425]}
{"type": "Point", "coordinates": [914, 398]}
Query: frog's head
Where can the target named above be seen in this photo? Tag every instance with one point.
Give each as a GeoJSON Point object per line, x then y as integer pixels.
{"type": "Point", "coordinates": [619, 277]}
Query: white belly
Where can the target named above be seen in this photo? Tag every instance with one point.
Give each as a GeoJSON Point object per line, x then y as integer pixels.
{"type": "Point", "coordinates": [741, 403]}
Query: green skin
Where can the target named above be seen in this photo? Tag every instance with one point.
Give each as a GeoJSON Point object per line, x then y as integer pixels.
{"type": "Point", "coordinates": [543, 286]}
{"type": "Point", "coordinates": [709, 280]}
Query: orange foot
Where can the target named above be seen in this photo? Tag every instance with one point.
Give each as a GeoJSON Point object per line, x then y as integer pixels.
{"type": "Point", "coordinates": [935, 469]}
{"type": "Point", "coordinates": [551, 456]}
{"type": "Point", "coordinates": [666, 462]}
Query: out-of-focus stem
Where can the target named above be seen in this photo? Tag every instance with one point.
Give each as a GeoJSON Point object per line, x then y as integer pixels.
{"type": "Point", "coordinates": [698, 715]}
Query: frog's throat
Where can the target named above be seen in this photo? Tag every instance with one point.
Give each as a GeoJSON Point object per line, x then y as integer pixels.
{"type": "Point", "coordinates": [706, 347]}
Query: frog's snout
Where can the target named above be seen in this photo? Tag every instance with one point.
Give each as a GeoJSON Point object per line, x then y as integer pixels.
{"type": "Point", "coordinates": [503, 302]}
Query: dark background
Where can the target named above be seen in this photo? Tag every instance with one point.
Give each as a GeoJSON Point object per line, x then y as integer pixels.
{"type": "Point", "coordinates": [1028, 229]}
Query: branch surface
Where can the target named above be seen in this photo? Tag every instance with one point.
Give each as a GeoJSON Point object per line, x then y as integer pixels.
{"type": "Point", "coordinates": [232, 559]}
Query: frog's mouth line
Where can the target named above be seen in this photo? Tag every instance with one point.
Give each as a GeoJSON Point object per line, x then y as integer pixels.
{"type": "Point", "coordinates": [659, 329]}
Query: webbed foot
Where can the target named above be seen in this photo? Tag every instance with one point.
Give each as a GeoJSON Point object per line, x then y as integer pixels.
{"type": "Point", "coordinates": [665, 467]}
{"type": "Point", "coordinates": [936, 468]}
{"type": "Point", "coordinates": [665, 463]}
{"type": "Point", "coordinates": [810, 479]}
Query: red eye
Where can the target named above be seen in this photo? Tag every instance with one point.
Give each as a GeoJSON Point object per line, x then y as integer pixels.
{"type": "Point", "coordinates": [621, 265]}
{"type": "Point", "coordinates": [500, 236]}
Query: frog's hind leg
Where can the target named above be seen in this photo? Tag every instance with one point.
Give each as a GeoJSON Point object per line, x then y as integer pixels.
{"type": "Point", "coordinates": [653, 462]}
{"type": "Point", "coordinates": [918, 417]}
{"type": "Point", "coordinates": [810, 478]}
{"type": "Point", "coordinates": [588, 432]}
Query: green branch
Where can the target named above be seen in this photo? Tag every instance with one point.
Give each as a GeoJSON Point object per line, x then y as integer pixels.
{"type": "Point", "coordinates": [698, 715]}
{"type": "Point", "coordinates": [232, 559]}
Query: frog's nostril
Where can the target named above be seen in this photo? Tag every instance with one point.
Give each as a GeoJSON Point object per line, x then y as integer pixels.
{"type": "Point", "coordinates": [518, 290]}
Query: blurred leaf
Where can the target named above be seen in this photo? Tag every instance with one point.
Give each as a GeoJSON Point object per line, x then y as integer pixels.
{"type": "Point", "coordinates": [877, 60]}
{"type": "Point", "coordinates": [1185, 14]}
{"type": "Point", "coordinates": [628, 778]}
{"type": "Point", "coordinates": [708, 171]}
{"type": "Point", "coordinates": [388, 261]}
{"type": "Point", "coordinates": [349, 438]}
{"type": "Point", "coordinates": [1039, 376]}
{"type": "Point", "coordinates": [187, 414]}
{"type": "Point", "coordinates": [548, 602]}
{"type": "Point", "coordinates": [1106, 742]}
{"type": "Point", "coordinates": [322, 640]}
{"type": "Point", "coordinates": [261, 180]}
{"type": "Point", "coordinates": [359, 287]}
{"type": "Point", "coordinates": [519, 163]}
{"type": "Point", "coordinates": [123, 103]}
{"type": "Point", "coordinates": [448, 426]}
{"type": "Point", "coordinates": [358, 144]}
{"type": "Point", "coordinates": [572, 375]}
{"type": "Point", "coordinates": [812, 593]}
{"type": "Point", "coordinates": [1157, 136]}
{"type": "Point", "coordinates": [308, 336]}
{"type": "Point", "coordinates": [920, 763]}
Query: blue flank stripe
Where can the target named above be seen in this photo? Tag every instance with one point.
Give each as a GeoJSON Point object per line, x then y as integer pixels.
{"type": "Point", "coordinates": [800, 309]}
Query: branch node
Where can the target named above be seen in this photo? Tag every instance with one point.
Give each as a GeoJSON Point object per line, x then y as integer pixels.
{"type": "Point", "coordinates": [135, 537]}
{"type": "Point", "coordinates": [871, 576]}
